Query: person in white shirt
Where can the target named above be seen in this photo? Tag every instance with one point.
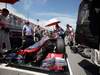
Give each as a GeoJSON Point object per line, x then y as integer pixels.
{"type": "Point", "coordinates": [27, 35]}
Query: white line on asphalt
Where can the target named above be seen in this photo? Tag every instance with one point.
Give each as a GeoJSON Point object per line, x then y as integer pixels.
{"type": "Point", "coordinates": [3, 67]}
{"type": "Point", "coordinates": [70, 70]}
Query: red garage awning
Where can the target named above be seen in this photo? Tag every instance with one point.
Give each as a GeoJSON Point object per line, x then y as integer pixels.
{"type": "Point", "coordinates": [9, 1]}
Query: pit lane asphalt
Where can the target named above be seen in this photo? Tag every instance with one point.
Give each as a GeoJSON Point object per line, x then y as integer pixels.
{"type": "Point", "coordinates": [80, 65]}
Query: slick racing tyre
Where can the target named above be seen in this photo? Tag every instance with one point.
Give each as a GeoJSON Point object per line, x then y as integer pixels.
{"type": "Point", "coordinates": [60, 46]}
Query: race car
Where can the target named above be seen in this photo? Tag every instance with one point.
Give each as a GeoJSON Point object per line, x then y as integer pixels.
{"type": "Point", "coordinates": [48, 54]}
